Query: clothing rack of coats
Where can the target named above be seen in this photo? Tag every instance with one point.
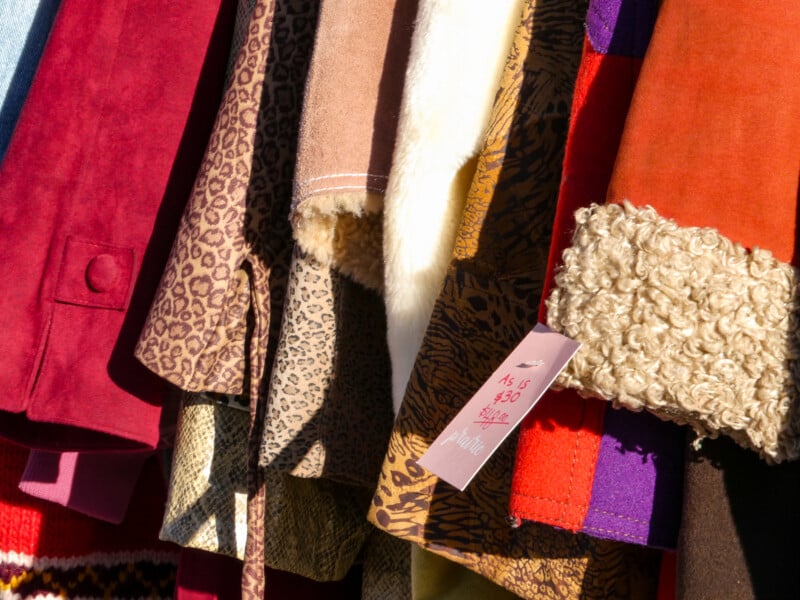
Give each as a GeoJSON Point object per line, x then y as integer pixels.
{"type": "Point", "coordinates": [258, 254]}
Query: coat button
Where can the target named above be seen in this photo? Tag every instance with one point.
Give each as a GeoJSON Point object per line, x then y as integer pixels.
{"type": "Point", "coordinates": [102, 273]}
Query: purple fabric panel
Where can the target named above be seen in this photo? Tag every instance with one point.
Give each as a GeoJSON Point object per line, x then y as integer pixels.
{"type": "Point", "coordinates": [621, 27]}
{"type": "Point", "coordinates": [638, 480]}
{"type": "Point", "coordinates": [96, 484]}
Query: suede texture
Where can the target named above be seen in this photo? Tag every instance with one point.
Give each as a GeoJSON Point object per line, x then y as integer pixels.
{"type": "Point", "coordinates": [565, 430]}
{"type": "Point", "coordinates": [721, 149]}
{"type": "Point", "coordinates": [93, 183]}
{"type": "Point", "coordinates": [706, 143]}
{"type": "Point", "coordinates": [638, 481]}
{"type": "Point", "coordinates": [347, 133]}
{"type": "Point", "coordinates": [207, 576]}
{"type": "Point", "coordinates": [717, 223]}
{"type": "Point", "coordinates": [23, 33]}
{"type": "Point", "coordinates": [98, 484]}
{"type": "Point", "coordinates": [740, 525]}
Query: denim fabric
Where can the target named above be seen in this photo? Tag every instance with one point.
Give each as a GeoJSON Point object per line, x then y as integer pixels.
{"type": "Point", "coordinates": [24, 28]}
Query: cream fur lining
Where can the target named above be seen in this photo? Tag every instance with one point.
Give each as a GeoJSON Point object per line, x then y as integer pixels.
{"type": "Point", "coordinates": [683, 322]}
{"type": "Point", "coordinates": [458, 51]}
{"type": "Point", "coordinates": [344, 230]}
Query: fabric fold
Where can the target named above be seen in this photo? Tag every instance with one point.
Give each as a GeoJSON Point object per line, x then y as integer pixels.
{"type": "Point", "coordinates": [347, 133]}
{"type": "Point", "coordinates": [49, 551]}
{"type": "Point", "coordinates": [98, 484]}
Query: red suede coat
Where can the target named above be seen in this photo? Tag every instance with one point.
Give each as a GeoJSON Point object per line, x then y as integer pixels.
{"type": "Point", "coordinates": [91, 189]}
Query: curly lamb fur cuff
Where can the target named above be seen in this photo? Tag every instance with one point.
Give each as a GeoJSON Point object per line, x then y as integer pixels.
{"type": "Point", "coordinates": [683, 322]}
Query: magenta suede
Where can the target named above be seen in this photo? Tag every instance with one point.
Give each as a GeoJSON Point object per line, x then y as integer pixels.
{"type": "Point", "coordinates": [91, 189]}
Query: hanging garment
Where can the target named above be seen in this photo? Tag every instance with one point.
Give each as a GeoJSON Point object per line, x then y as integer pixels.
{"type": "Point", "coordinates": [315, 528]}
{"type": "Point", "coordinates": [740, 525]}
{"type": "Point", "coordinates": [347, 133]}
{"type": "Point", "coordinates": [234, 234]}
{"type": "Point", "coordinates": [227, 277]}
{"type": "Point", "coordinates": [207, 576]}
{"type": "Point", "coordinates": [386, 568]}
{"type": "Point", "coordinates": [48, 551]}
{"type": "Point", "coordinates": [103, 155]}
{"type": "Point", "coordinates": [329, 400]}
{"type": "Point", "coordinates": [680, 288]}
{"type": "Point", "coordinates": [23, 33]}
{"type": "Point", "coordinates": [487, 305]}
{"type": "Point", "coordinates": [581, 465]}
{"type": "Point", "coordinates": [206, 505]}
{"type": "Point", "coordinates": [216, 317]}
{"type": "Point", "coordinates": [457, 55]}
{"type": "Point", "coordinates": [98, 484]}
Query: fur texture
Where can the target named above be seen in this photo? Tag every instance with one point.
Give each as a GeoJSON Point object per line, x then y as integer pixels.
{"type": "Point", "coordinates": [458, 51]}
{"type": "Point", "coordinates": [683, 322]}
{"type": "Point", "coordinates": [347, 132]}
{"type": "Point", "coordinates": [344, 230]}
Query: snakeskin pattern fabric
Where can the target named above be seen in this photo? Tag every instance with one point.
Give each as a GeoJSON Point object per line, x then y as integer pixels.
{"type": "Point", "coordinates": [488, 303]}
{"type": "Point", "coordinates": [207, 501]}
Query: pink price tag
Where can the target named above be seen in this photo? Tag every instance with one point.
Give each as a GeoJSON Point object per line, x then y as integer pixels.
{"type": "Point", "coordinates": [499, 406]}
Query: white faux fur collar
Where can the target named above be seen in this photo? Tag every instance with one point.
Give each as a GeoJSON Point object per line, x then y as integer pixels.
{"type": "Point", "coordinates": [457, 55]}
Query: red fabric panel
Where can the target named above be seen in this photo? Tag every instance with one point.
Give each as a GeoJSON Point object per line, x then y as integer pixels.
{"type": "Point", "coordinates": [208, 576]}
{"type": "Point", "coordinates": [556, 455]}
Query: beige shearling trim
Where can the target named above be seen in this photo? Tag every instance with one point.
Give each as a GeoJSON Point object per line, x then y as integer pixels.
{"type": "Point", "coordinates": [683, 322]}
{"type": "Point", "coordinates": [344, 230]}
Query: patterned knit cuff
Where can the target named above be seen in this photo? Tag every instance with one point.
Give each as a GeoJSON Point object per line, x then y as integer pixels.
{"type": "Point", "coordinates": [683, 322]}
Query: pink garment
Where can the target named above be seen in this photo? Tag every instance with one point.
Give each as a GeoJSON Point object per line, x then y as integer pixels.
{"type": "Point", "coordinates": [92, 187]}
{"type": "Point", "coordinates": [98, 484]}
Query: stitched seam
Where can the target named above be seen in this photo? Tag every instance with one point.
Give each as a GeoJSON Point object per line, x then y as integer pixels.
{"type": "Point", "coordinates": [334, 176]}
{"type": "Point", "coordinates": [611, 514]}
{"type": "Point", "coordinates": [551, 500]}
{"type": "Point", "coordinates": [572, 470]}
{"type": "Point", "coordinates": [639, 538]}
{"type": "Point", "coordinates": [576, 505]}
{"type": "Point", "coordinates": [591, 465]}
{"type": "Point", "coordinates": [531, 517]}
{"type": "Point", "coordinates": [619, 533]}
{"type": "Point", "coordinates": [344, 187]}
